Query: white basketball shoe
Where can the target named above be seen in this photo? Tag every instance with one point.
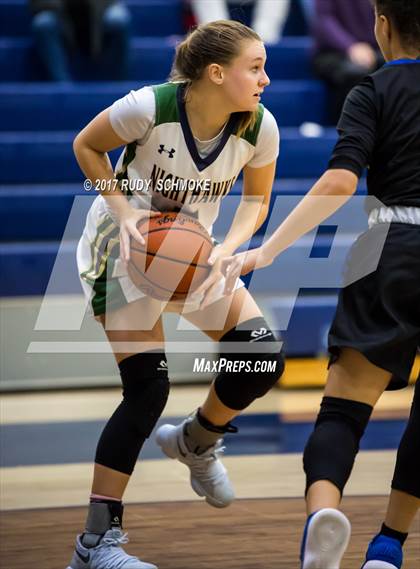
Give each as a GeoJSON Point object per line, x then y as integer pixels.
{"type": "Point", "coordinates": [208, 476]}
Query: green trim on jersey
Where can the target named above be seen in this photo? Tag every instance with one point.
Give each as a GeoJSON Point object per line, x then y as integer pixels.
{"type": "Point", "coordinates": [166, 103]}
{"type": "Point", "coordinates": [251, 133]}
{"type": "Point", "coordinates": [129, 155]}
{"type": "Point", "coordinates": [167, 110]}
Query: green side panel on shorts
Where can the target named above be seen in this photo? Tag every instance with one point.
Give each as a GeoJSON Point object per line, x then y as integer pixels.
{"type": "Point", "coordinates": [251, 134]}
{"type": "Point", "coordinates": [108, 294]}
{"type": "Point", "coordinates": [166, 104]}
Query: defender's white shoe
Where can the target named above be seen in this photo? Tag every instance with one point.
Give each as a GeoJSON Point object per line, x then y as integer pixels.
{"type": "Point", "coordinates": [325, 539]}
{"type": "Point", "coordinates": [208, 475]}
{"type": "Point", "coordinates": [379, 565]}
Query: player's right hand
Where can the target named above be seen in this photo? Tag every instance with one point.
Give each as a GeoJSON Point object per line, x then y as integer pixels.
{"type": "Point", "coordinates": [128, 229]}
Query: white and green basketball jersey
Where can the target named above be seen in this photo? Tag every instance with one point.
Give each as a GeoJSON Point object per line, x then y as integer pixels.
{"type": "Point", "coordinates": [171, 167]}
{"type": "Point", "coordinates": [164, 166]}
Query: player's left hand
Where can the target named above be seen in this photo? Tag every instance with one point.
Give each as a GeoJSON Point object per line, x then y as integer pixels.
{"type": "Point", "coordinates": [207, 288]}
{"type": "Point", "coordinates": [241, 264]}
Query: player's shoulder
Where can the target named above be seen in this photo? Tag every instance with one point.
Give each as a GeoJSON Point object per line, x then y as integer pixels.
{"type": "Point", "coordinates": [390, 80]}
{"type": "Point", "coordinates": [135, 103]}
{"type": "Point", "coordinates": [362, 95]}
{"type": "Point", "coordinates": [268, 120]}
{"type": "Point", "coordinates": [165, 96]}
{"type": "Point", "coordinates": [140, 95]}
{"type": "Point", "coordinates": [381, 77]}
{"type": "Point", "coordinates": [395, 73]}
{"type": "Point", "coordinates": [264, 121]}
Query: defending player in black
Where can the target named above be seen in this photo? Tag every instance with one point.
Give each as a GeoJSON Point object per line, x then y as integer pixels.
{"type": "Point", "coordinates": [376, 330]}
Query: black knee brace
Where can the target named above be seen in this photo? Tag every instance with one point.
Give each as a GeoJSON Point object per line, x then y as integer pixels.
{"type": "Point", "coordinates": [406, 476]}
{"type": "Point", "coordinates": [332, 447]}
{"type": "Point", "coordinates": [249, 365]}
{"type": "Point", "coordinates": [145, 392]}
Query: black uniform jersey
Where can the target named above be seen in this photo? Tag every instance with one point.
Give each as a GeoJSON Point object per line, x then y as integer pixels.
{"type": "Point", "coordinates": [380, 129]}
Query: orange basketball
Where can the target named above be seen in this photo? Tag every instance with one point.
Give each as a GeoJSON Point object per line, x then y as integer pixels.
{"type": "Point", "coordinates": [173, 262]}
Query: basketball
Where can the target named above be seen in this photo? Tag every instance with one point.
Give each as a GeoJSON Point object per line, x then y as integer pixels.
{"type": "Point", "coordinates": [173, 262]}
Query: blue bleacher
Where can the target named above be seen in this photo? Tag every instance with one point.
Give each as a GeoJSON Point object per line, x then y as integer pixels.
{"type": "Point", "coordinates": [27, 107]}
{"type": "Point", "coordinates": [35, 260]}
{"type": "Point", "coordinates": [55, 201]}
{"type": "Point", "coordinates": [149, 17]}
{"type": "Point", "coordinates": [49, 158]}
{"type": "Point", "coordinates": [160, 18]}
{"type": "Point", "coordinates": [300, 338]}
{"type": "Point", "coordinates": [151, 59]}
{"type": "Point", "coordinates": [40, 179]}
{"type": "Point", "coordinates": [26, 267]}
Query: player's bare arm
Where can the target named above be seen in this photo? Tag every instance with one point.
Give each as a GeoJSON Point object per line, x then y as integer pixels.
{"type": "Point", "coordinates": [331, 191]}
{"type": "Point", "coordinates": [91, 147]}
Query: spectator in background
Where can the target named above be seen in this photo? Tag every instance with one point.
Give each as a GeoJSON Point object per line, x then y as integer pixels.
{"type": "Point", "coordinates": [268, 16]}
{"type": "Point", "coordinates": [99, 29]}
{"type": "Point", "coordinates": [345, 46]}
{"type": "Point", "coordinates": [308, 10]}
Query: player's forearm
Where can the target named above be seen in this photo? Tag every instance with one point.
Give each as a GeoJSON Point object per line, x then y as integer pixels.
{"type": "Point", "coordinates": [330, 193]}
{"type": "Point", "coordinates": [97, 166]}
{"type": "Point", "coordinates": [249, 217]}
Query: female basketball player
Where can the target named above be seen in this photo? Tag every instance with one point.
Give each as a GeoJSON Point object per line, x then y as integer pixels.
{"type": "Point", "coordinates": [376, 330]}
{"type": "Point", "coordinates": [207, 123]}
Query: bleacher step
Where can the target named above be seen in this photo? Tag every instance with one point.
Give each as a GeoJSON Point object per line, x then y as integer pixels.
{"type": "Point", "coordinates": [26, 267]}
{"type": "Point", "coordinates": [47, 157]}
{"type": "Point", "coordinates": [151, 59]}
{"type": "Point", "coordinates": [27, 107]}
{"type": "Point", "coordinates": [44, 210]}
{"type": "Point", "coordinates": [157, 17]}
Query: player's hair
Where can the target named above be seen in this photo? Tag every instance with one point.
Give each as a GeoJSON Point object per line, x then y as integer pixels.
{"type": "Point", "coordinates": [216, 42]}
{"type": "Point", "coordinates": [405, 16]}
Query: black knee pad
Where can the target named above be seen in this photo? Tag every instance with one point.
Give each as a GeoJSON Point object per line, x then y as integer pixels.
{"type": "Point", "coordinates": [251, 362]}
{"type": "Point", "coordinates": [332, 447]}
{"type": "Point", "coordinates": [145, 392]}
{"type": "Point", "coordinates": [145, 388]}
{"type": "Point", "coordinates": [406, 476]}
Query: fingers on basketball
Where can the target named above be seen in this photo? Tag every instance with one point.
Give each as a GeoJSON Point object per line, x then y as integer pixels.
{"type": "Point", "coordinates": [173, 261]}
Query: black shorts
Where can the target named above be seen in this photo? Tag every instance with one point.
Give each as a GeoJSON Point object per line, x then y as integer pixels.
{"type": "Point", "coordinates": [379, 314]}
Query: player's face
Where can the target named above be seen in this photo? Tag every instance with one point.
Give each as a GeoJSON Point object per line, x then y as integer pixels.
{"type": "Point", "coordinates": [245, 78]}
